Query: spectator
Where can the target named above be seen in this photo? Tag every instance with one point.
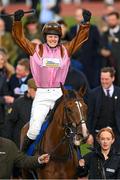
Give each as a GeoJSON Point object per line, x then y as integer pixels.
{"type": "Point", "coordinates": [32, 28]}
{"type": "Point", "coordinates": [110, 47]}
{"type": "Point", "coordinates": [57, 8]}
{"type": "Point", "coordinates": [7, 42]}
{"type": "Point", "coordinates": [19, 113]}
{"type": "Point", "coordinates": [34, 4]}
{"type": "Point", "coordinates": [7, 19]}
{"type": "Point", "coordinates": [103, 108]}
{"type": "Point", "coordinates": [5, 67]}
{"type": "Point", "coordinates": [90, 61]}
{"type": "Point", "coordinates": [18, 81]}
{"type": "Point", "coordinates": [103, 162]}
{"type": "Point", "coordinates": [46, 13]}
{"type": "Point", "coordinates": [3, 88]}
{"type": "Point", "coordinates": [108, 9]}
{"type": "Point", "coordinates": [11, 157]}
{"type": "Point", "coordinates": [75, 80]}
{"type": "Point", "coordinates": [65, 30]}
{"type": "Point", "coordinates": [49, 64]}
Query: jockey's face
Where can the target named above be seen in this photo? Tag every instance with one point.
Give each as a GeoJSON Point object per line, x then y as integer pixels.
{"type": "Point", "coordinates": [106, 80]}
{"type": "Point", "coordinates": [52, 40]}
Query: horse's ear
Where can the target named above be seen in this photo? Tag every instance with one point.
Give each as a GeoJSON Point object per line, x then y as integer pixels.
{"type": "Point", "coordinates": [82, 91]}
{"type": "Point", "coordinates": [64, 91]}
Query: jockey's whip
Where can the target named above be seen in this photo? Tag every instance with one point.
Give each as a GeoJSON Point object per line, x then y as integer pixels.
{"type": "Point", "coordinates": [32, 11]}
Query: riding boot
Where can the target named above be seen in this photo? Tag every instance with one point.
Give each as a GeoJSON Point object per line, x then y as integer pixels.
{"type": "Point", "coordinates": [27, 142]}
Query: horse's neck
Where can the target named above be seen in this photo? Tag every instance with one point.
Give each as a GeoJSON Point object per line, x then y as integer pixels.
{"type": "Point", "coordinates": [55, 130]}
{"type": "Point", "coordinates": [57, 121]}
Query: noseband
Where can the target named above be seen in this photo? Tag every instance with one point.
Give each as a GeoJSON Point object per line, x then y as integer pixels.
{"type": "Point", "coordinates": [71, 130]}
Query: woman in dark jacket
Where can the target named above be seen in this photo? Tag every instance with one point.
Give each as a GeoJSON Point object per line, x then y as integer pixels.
{"type": "Point", "coordinates": [101, 163]}
{"type": "Point", "coordinates": [5, 71]}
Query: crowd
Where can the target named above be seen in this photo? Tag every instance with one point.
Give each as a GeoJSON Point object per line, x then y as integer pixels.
{"type": "Point", "coordinates": [25, 83]}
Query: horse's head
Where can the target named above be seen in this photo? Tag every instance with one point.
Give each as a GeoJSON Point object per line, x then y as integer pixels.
{"type": "Point", "coordinates": [75, 111]}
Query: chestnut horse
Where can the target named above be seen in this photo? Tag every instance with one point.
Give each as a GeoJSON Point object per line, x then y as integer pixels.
{"type": "Point", "coordinates": [66, 130]}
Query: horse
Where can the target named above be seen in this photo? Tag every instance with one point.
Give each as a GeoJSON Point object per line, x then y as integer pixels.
{"type": "Point", "coordinates": [65, 132]}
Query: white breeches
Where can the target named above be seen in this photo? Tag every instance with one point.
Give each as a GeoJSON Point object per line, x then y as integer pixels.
{"type": "Point", "coordinates": [44, 101]}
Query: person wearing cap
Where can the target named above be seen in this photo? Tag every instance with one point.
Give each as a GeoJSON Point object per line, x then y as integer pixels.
{"type": "Point", "coordinates": [32, 28]}
{"type": "Point", "coordinates": [19, 113]}
{"type": "Point", "coordinates": [49, 66]}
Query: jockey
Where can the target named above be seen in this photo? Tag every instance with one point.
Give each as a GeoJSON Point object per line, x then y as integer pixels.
{"type": "Point", "coordinates": [49, 64]}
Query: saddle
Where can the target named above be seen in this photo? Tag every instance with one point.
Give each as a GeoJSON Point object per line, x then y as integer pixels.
{"type": "Point", "coordinates": [44, 127]}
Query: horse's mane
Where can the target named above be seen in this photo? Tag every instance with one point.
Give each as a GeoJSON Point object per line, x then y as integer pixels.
{"type": "Point", "coordinates": [51, 113]}
{"type": "Point", "coordinates": [71, 94]}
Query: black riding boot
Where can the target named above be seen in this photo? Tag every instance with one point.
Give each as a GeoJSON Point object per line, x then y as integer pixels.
{"type": "Point", "coordinates": [27, 142]}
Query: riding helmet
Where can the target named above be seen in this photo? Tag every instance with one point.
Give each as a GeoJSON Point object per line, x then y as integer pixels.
{"type": "Point", "coordinates": [52, 28]}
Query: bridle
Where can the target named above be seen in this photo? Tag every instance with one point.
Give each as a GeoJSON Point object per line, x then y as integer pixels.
{"type": "Point", "coordinates": [82, 120]}
{"type": "Point", "coordinates": [81, 123]}
{"type": "Point", "coordinates": [70, 129]}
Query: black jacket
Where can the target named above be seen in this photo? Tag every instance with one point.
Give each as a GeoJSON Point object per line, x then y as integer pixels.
{"type": "Point", "coordinates": [89, 55]}
{"type": "Point", "coordinates": [15, 82]}
{"type": "Point", "coordinates": [94, 107]}
{"type": "Point", "coordinates": [11, 157]}
{"type": "Point", "coordinates": [18, 115]}
{"type": "Point", "coordinates": [3, 91]}
{"type": "Point", "coordinates": [98, 168]}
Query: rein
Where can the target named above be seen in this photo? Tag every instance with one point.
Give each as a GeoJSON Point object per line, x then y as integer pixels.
{"type": "Point", "coordinates": [69, 133]}
{"type": "Point", "coordinates": [64, 157]}
{"type": "Point", "coordinates": [66, 138]}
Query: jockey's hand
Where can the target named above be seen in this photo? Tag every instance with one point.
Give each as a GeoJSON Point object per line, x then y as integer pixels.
{"type": "Point", "coordinates": [44, 158]}
{"type": "Point", "coordinates": [86, 15]}
{"type": "Point", "coordinates": [18, 15]}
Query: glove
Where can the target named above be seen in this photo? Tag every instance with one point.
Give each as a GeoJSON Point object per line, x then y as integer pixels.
{"type": "Point", "coordinates": [18, 15]}
{"type": "Point", "coordinates": [86, 15]}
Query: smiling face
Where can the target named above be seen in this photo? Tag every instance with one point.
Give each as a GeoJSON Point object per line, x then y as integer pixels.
{"type": "Point", "coordinates": [106, 140]}
{"type": "Point", "coordinates": [106, 79]}
{"type": "Point", "coordinates": [112, 20]}
{"type": "Point", "coordinates": [52, 40]}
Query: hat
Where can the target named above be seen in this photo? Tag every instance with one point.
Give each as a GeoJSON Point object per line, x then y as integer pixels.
{"type": "Point", "coordinates": [31, 83]}
{"type": "Point", "coordinates": [52, 28]}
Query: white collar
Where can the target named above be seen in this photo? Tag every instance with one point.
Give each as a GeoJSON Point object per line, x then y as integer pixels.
{"type": "Point", "coordinates": [114, 30]}
{"type": "Point", "coordinates": [111, 90]}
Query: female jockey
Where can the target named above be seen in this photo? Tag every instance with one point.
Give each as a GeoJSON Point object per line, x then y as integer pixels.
{"type": "Point", "coordinates": [49, 66]}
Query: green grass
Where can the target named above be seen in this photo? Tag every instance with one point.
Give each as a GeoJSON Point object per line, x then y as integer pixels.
{"type": "Point", "coordinates": [71, 20]}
